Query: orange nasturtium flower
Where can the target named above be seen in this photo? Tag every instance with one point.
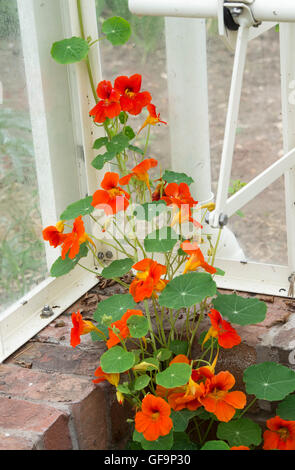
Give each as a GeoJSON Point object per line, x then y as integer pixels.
{"type": "Point", "coordinates": [54, 234]}
{"type": "Point", "coordinates": [280, 434]}
{"type": "Point", "coordinates": [72, 241]}
{"type": "Point", "coordinates": [153, 118]}
{"type": "Point", "coordinates": [154, 418]}
{"type": "Point", "coordinates": [148, 280]}
{"type": "Point", "coordinates": [219, 400]}
{"type": "Point", "coordinates": [81, 327]}
{"type": "Point", "coordinates": [140, 172]}
{"type": "Point", "coordinates": [226, 335]}
{"type": "Point", "coordinates": [109, 105]}
{"type": "Point", "coordinates": [111, 198]}
{"type": "Point", "coordinates": [196, 258]}
{"type": "Point", "coordinates": [179, 196]}
{"type": "Point", "coordinates": [239, 448]}
{"type": "Point", "coordinates": [132, 100]}
{"type": "Point", "coordinates": [122, 327]}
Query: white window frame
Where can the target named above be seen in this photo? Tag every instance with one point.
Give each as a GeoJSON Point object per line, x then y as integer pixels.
{"type": "Point", "coordinates": [185, 31]}
{"type": "Point", "coordinates": [60, 99]}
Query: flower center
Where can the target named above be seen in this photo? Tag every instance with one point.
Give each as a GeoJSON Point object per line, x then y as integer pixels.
{"type": "Point", "coordinates": [155, 416]}
{"type": "Point", "coordinates": [129, 93]}
{"type": "Point", "coordinates": [284, 433]}
{"type": "Point", "coordinates": [114, 192]}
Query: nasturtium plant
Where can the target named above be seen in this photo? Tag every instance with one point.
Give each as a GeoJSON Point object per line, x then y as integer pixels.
{"type": "Point", "coordinates": [166, 327]}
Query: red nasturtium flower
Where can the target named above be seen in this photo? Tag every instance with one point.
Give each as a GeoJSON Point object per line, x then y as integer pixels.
{"type": "Point", "coordinates": [140, 172]}
{"type": "Point", "coordinates": [54, 234]}
{"type": "Point", "coordinates": [153, 118]}
{"type": "Point", "coordinates": [179, 196]}
{"type": "Point", "coordinates": [148, 280]}
{"type": "Point", "coordinates": [72, 241]}
{"type": "Point", "coordinates": [81, 327]}
{"type": "Point", "coordinates": [280, 434]}
{"type": "Point", "coordinates": [102, 376]}
{"type": "Point", "coordinates": [121, 325]}
{"type": "Point", "coordinates": [109, 105]}
{"type": "Point", "coordinates": [132, 100]}
{"type": "Point", "coordinates": [226, 335]}
{"type": "Point", "coordinates": [219, 400]}
{"type": "Point", "coordinates": [154, 418]}
{"type": "Point", "coordinates": [111, 198]}
{"type": "Point", "coordinates": [196, 259]}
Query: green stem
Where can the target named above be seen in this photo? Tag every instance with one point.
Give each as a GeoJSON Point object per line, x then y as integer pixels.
{"type": "Point", "coordinates": [247, 407]}
{"type": "Point", "coordinates": [147, 311]}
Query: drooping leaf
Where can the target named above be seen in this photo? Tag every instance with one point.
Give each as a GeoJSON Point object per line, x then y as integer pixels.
{"type": "Point", "coordinates": [100, 160]}
{"type": "Point", "coordinates": [286, 409]}
{"type": "Point", "coordinates": [175, 177]}
{"type": "Point", "coordinates": [181, 419]}
{"type": "Point", "coordinates": [116, 360]}
{"type": "Point", "coordinates": [240, 432]}
{"type": "Point", "coordinates": [118, 143]}
{"type": "Point", "coordinates": [129, 132]}
{"type": "Point", "coordinates": [63, 266]}
{"type": "Point", "coordinates": [175, 375]}
{"type": "Point", "coordinates": [117, 30]}
{"type": "Point", "coordinates": [240, 310]}
{"type": "Point", "coordinates": [81, 207]}
{"type": "Point", "coordinates": [117, 268]}
{"type": "Point", "coordinates": [69, 51]}
{"type": "Point", "coordinates": [187, 290]}
{"type": "Point", "coordinates": [269, 381]}
{"type": "Point", "coordinates": [138, 326]}
{"type": "Point", "coordinates": [161, 240]}
{"type": "Point", "coordinates": [215, 445]}
{"type": "Point", "coordinates": [135, 149]}
{"type": "Point", "coordinates": [163, 354]}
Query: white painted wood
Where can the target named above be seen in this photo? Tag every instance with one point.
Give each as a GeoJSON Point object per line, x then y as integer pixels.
{"type": "Point", "coordinates": [264, 10]}
{"type": "Point", "coordinates": [287, 40]}
{"type": "Point", "coordinates": [188, 102]}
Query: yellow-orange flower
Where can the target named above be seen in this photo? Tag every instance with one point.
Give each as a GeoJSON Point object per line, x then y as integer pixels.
{"type": "Point", "coordinates": [81, 327]}
{"type": "Point", "coordinates": [153, 118]}
{"type": "Point", "coordinates": [196, 259]}
{"type": "Point", "coordinates": [72, 241]}
{"type": "Point", "coordinates": [119, 329]}
{"type": "Point", "coordinates": [113, 379]}
{"type": "Point", "coordinates": [148, 279]}
{"type": "Point", "coordinates": [280, 434]}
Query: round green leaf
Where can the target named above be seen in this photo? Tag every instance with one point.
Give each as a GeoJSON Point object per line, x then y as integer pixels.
{"type": "Point", "coordinates": [215, 445]}
{"type": "Point", "coordinates": [116, 360]}
{"type": "Point", "coordinates": [149, 210]}
{"type": "Point", "coordinates": [161, 240]}
{"type": "Point", "coordinates": [286, 409]}
{"type": "Point", "coordinates": [162, 443]}
{"type": "Point", "coordinates": [138, 326]}
{"type": "Point", "coordinates": [113, 307]}
{"type": "Point", "coordinates": [174, 177]}
{"type": "Point", "coordinates": [239, 310]}
{"type": "Point", "coordinates": [240, 432]}
{"type": "Point", "coordinates": [100, 160]}
{"type": "Point", "coordinates": [69, 51]}
{"type": "Point", "coordinates": [63, 266]}
{"type": "Point", "coordinates": [179, 347]}
{"type": "Point", "coordinates": [82, 207]}
{"type": "Point", "coordinates": [118, 143]}
{"type": "Point", "coordinates": [117, 268]}
{"type": "Point", "coordinates": [117, 30]}
{"type": "Point", "coordinates": [269, 381]}
{"type": "Point", "coordinates": [175, 375]}
{"type": "Point", "coordinates": [100, 142]}
{"type": "Point", "coordinates": [187, 290]}
{"type": "Point", "coordinates": [141, 382]}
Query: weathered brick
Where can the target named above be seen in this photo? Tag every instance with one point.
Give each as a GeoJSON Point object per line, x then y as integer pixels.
{"type": "Point", "coordinates": [10, 441]}
{"type": "Point", "coordinates": [57, 358]}
{"type": "Point", "coordinates": [91, 420]}
{"type": "Point", "coordinates": [44, 420]}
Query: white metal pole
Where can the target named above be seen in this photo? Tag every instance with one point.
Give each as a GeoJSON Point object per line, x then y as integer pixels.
{"type": "Point", "coordinates": [287, 40]}
{"type": "Point", "coordinates": [188, 102]}
{"type": "Point", "coordinates": [263, 10]}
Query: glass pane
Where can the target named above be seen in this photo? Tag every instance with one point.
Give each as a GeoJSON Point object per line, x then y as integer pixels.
{"type": "Point", "coordinates": [262, 230]}
{"type": "Point", "coordinates": [145, 54]}
{"type": "Point", "coordinates": [22, 254]}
